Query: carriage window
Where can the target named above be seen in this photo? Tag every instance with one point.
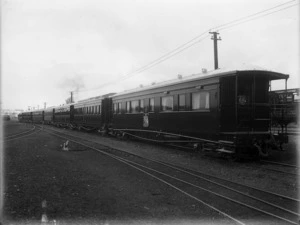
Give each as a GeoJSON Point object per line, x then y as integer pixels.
{"type": "Point", "coordinates": [135, 106]}
{"type": "Point", "coordinates": [151, 105]}
{"type": "Point", "coordinates": [115, 108]}
{"type": "Point", "coordinates": [142, 105]}
{"type": "Point", "coordinates": [128, 107]}
{"type": "Point", "coordinates": [119, 107]}
{"type": "Point", "coordinates": [181, 99]}
{"type": "Point", "coordinates": [167, 103]}
{"type": "Point", "coordinates": [200, 100]}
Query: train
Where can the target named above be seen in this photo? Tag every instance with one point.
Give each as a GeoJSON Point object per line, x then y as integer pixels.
{"type": "Point", "coordinates": [226, 111]}
{"type": "Point", "coordinates": [284, 100]}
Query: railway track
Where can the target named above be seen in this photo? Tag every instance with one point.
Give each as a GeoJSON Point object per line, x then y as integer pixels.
{"type": "Point", "coordinates": [282, 168]}
{"type": "Point", "coordinates": [33, 130]}
{"type": "Point", "coordinates": [234, 201]}
{"type": "Point", "coordinates": [281, 164]}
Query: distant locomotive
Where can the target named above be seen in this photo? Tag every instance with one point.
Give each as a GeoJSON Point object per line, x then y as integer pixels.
{"type": "Point", "coordinates": [227, 111]}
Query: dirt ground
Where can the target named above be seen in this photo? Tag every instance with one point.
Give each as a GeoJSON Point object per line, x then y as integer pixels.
{"type": "Point", "coordinates": [85, 187]}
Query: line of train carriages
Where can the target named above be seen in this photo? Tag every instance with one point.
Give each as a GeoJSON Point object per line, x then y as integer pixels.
{"type": "Point", "coordinates": [224, 111]}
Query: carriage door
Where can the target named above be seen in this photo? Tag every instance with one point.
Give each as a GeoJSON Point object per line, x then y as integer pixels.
{"type": "Point", "coordinates": [252, 102]}
{"type": "Point", "coordinates": [227, 104]}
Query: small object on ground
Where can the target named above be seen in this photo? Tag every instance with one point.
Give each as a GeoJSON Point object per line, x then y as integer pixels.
{"type": "Point", "coordinates": [66, 146]}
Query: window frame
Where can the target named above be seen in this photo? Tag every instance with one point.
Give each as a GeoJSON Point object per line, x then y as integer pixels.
{"type": "Point", "coordinates": [207, 101]}
{"type": "Point", "coordinates": [128, 107]}
{"type": "Point", "coordinates": [115, 108]}
{"type": "Point", "coordinates": [163, 108]}
{"type": "Point", "coordinates": [142, 106]}
{"type": "Point", "coordinates": [119, 107]}
{"type": "Point", "coordinates": [151, 107]}
{"type": "Point", "coordinates": [135, 106]}
{"type": "Point", "coordinates": [181, 107]}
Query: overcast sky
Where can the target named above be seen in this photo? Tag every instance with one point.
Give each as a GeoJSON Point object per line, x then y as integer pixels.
{"type": "Point", "coordinates": [49, 48]}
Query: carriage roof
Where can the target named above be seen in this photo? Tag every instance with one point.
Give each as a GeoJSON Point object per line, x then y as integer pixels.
{"type": "Point", "coordinates": [243, 70]}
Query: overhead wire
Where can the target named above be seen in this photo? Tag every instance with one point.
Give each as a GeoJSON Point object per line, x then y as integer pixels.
{"type": "Point", "coordinates": [227, 27]}
{"type": "Point", "coordinates": [196, 40]}
{"type": "Point", "coordinates": [251, 15]}
{"type": "Point", "coordinates": [158, 60]}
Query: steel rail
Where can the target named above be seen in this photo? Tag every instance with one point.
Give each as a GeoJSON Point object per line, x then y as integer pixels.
{"type": "Point", "coordinates": [212, 192]}
{"type": "Point", "coordinates": [231, 189]}
{"type": "Point", "coordinates": [222, 196]}
{"type": "Point", "coordinates": [281, 164]}
{"type": "Point", "coordinates": [34, 132]}
{"type": "Point", "coordinates": [163, 181]}
{"type": "Point", "coordinates": [24, 132]}
{"type": "Point", "coordinates": [215, 177]}
{"type": "Point", "coordinates": [280, 171]}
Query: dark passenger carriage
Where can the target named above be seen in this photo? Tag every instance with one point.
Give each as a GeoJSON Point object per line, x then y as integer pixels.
{"type": "Point", "coordinates": [87, 113]}
{"type": "Point", "coordinates": [170, 107]}
{"type": "Point", "coordinates": [93, 113]}
{"type": "Point", "coordinates": [49, 115]}
{"type": "Point", "coordinates": [25, 117]}
{"type": "Point", "coordinates": [220, 107]}
{"type": "Point", "coordinates": [38, 116]}
{"type": "Point", "coordinates": [62, 115]}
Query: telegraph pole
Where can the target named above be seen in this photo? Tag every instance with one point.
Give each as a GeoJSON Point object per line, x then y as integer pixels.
{"type": "Point", "coordinates": [216, 39]}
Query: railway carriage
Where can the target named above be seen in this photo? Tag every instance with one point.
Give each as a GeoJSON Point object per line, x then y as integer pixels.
{"type": "Point", "coordinates": [93, 113]}
{"type": "Point", "coordinates": [25, 117]}
{"type": "Point", "coordinates": [63, 115]}
{"type": "Point", "coordinates": [87, 113]}
{"type": "Point", "coordinates": [49, 115]}
{"type": "Point", "coordinates": [284, 102]}
{"type": "Point", "coordinates": [38, 116]}
{"type": "Point", "coordinates": [225, 110]}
